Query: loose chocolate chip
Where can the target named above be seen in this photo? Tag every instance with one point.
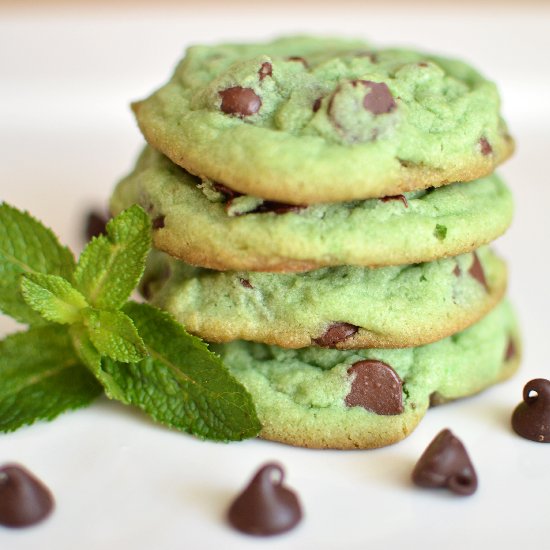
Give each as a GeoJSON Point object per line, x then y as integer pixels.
{"type": "Point", "coordinates": [317, 104]}
{"type": "Point", "coordinates": [422, 64]}
{"type": "Point", "coordinates": [95, 225]}
{"type": "Point", "coordinates": [476, 271]}
{"type": "Point", "coordinates": [158, 222]}
{"type": "Point", "coordinates": [379, 99]}
{"type": "Point", "coordinates": [376, 387]}
{"type": "Point", "coordinates": [266, 507]}
{"type": "Point", "coordinates": [24, 499]}
{"type": "Point", "coordinates": [531, 418]}
{"type": "Point", "coordinates": [240, 101]}
{"type": "Point", "coordinates": [401, 198]}
{"type": "Point", "coordinates": [456, 271]}
{"type": "Point", "coordinates": [265, 70]}
{"type": "Point", "coordinates": [245, 283]}
{"type": "Point", "coordinates": [445, 463]}
{"type": "Point", "coordinates": [511, 351]}
{"type": "Point", "coordinates": [485, 147]}
{"type": "Point", "coordinates": [299, 59]}
{"type": "Point", "coordinates": [335, 333]}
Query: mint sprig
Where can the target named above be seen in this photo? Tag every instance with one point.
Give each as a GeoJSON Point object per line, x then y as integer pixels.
{"type": "Point", "coordinates": [214, 406]}
{"type": "Point", "coordinates": [40, 377]}
{"type": "Point", "coordinates": [136, 353]}
{"type": "Point", "coordinates": [26, 246]}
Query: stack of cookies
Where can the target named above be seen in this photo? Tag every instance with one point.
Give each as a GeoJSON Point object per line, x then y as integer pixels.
{"type": "Point", "coordinates": [321, 210]}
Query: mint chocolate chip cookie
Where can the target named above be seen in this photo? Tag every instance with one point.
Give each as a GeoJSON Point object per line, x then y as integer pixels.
{"type": "Point", "coordinates": [210, 225]}
{"type": "Point", "coordinates": [342, 307]}
{"type": "Point", "coordinates": [368, 398]}
{"type": "Point", "coordinates": [307, 120]}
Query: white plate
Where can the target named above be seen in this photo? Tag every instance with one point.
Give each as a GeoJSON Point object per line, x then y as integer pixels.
{"type": "Point", "coordinates": [66, 135]}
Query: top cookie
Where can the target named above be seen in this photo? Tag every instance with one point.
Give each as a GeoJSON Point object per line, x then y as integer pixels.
{"type": "Point", "coordinates": [307, 120]}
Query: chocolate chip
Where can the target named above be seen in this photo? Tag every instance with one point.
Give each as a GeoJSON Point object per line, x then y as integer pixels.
{"type": "Point", "coordinates": [485, 147]}
{"type": "Point", "coordinates": [336, 333]}
{"type": "Point", "coordinates": [240, 101]}
{"type": "Point", "coordinates": [299, 59]}
{"type": "Point", "coordinates": [456, 271]}
{"type": "Point", "coordinates": [95, 225]}
{"type": "Point", "coordinates": [401, 198]}
{"type": "Point", "coordinates": [265, 70]}
{"type": "Point", "coordinates": [531, 418]}
{"type": "Point", "coordinates": [24, 499]}
{"type": "Point", "coordinates": [476, 271]}
{"type": "Point", "coordinates": [245, 283]}
{"type": "Point", "coordinates": [276, 207]}
{"type": "Point", "coordinates": [445, 463]}
{"type": "Point", "coordinates": [266, 507]}
{"type": "Point", "coordinates": [379, 99]}
{"type": "Point", "coordinates": [511, 351]}
{"type": "Point", "coordinates": [376, 387]}
{"type": "Point", "coordinates": [422, 64]}
{"type": "Point", "coordinates": [228, 193]}
{"type": "Point", "coordinates": [158, 222]}
{"type": "Point", "coordinates": [317, 104]}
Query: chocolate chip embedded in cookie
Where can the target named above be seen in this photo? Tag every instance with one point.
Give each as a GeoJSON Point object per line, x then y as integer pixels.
{"type": "Point", "coordinates": [239, 101]}
{"type": "Point", "coordinates": [336, 333]}
{"type": "Point", "coordinates": [376, 387]}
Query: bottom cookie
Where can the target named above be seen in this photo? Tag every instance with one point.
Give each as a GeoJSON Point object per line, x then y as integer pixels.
{"type": "Point", "coordinates": [367, 398]}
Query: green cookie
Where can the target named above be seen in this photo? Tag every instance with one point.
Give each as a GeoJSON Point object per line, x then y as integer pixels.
{"type": "Point", "coordinates": [369, 398]}
{"type": "Point", "coordinates": [343, 307]}
{"type": "Point", "coordinates": [193, 225]}
{"type": "Point", "coordinates": [305, 120]}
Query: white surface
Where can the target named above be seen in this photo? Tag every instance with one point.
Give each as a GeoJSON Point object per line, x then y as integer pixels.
{"type": "Point", "coordinates": [66, 135]}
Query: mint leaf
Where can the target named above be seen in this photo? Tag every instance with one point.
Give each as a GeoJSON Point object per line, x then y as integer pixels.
{"type": "Point", "coordinates": [182, 384]}
{"type": "Point", "coordinates": [53, 297]}
{"type": "Point", "coordinates": [111, 265]}
{"type": "Point", "coordinates": [92, 359]}
{"type": "Point", "coordinates": [40, 377]}
{"type": "Point", "coordinates": [26, 246]}
{"type": "Point", "coordinates": [114, 335]}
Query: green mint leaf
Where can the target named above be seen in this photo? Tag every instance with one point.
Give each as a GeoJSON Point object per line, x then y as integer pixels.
{"type": "Point", "coordinates": [114, 335]}
{"type": "Point", "coordinates": [40, 377]}
{"type": "Point", "coordinates": [182, 384]}
{"type": "Point", "coordinates": [53, 297]}
{"type": "Point", "coordinates": [111, 265]}
{"type": "Point", "coordinates": [26, 246]}
{"type": "Point", "coordinates": [92, 359]}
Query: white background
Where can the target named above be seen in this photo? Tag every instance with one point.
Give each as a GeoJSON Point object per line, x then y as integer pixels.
{"type": "Point", "coordinates": [66, 135]}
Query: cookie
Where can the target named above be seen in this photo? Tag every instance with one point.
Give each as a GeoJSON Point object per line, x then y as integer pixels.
{"type": "Point", "coordinates": [369, 398]}
{"type": "Point", "coordinates": [204, 225]}
{"type": "Point", "coordinates": [343, 307]}
{"type": "Point", "coordinates": [306, 120]}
